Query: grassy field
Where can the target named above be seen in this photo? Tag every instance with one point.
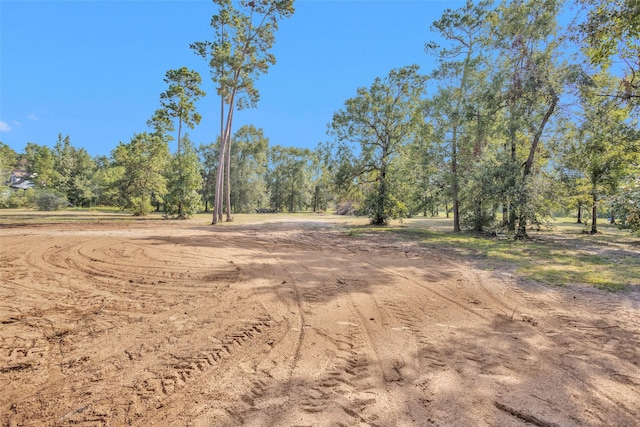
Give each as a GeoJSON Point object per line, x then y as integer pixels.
{"type": "Point", "coordinates": [558, 255]}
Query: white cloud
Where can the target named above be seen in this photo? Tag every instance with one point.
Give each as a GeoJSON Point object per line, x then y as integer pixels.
{"type": "Point", "coordinates": [4, 127]}
{"type": "Point", "coordinates": [32, 117]}
{"type": "Point", "coordinates": [17, 123]}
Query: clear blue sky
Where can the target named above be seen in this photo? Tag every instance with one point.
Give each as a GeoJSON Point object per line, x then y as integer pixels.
{"type": "Point", "coordinates": [94, 70]}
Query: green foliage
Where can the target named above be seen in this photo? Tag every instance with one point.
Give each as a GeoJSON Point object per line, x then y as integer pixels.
{"type": "Point", "coordinates": [18, 199]}
{"type": "Point", "coordinates": [40, 160]}
{"type": "Point", "coordinates": [603, 148]}
{"type": "Point", "coordinates": [248, 170]}
{"type": "Point", "coordinates": [238, 54]}
{"type": "Point", "coordinates": [8, 162]}
{"type": "Point", "coordinates": [73, 171]}
{"type": "Point", "coordinates": [371, 132]}
{"type": "Point", "coordinates": [461, 62]}
{"type": "Point", "coordinates": [178, 101]}
{"type": "Point", "coordinates": [289, 178]}
{"type": "Point", "coordinates": [142, 162]}
{"type": "Point", "coordinates": [626, 204]}
{"type": "Point", "coordinates": [609, 35]}
{"type": "Point", "coordinates": [209, 156]}
{"type": "Point", "coordinates": [48, 200]}
{"type": "Point", "coordinates": [183, 182]}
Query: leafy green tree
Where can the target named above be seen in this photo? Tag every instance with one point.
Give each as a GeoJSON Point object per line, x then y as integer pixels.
{"type": "Point", "coordinates": [40, 161]}
{"type": "Point", "coordinates": [208, 154]}
{"type": "Point", "coordinates": [610, 34]}
{"type": "Point", "coordinates": [142, 161]}
{"type": "Point", "coordinates": [372, 129]}
{"type": "Point", "coordinates": [8, 162]}
{"type": "Point", "coordinates": [237, 56]}
{"type": "Point", "coordinates": [73, 171]}
{"type": "Point", "coordinates": [289, 178]}
{"type": "Point", "coordinates": [178, 100]}
{"type": "Point", "coordinates": [626, 203]}
{"type": "Point", "coordinates": [605, 146]}
{"type": "Point", "coordinates": [183, 182]}
{"type": "Point", "coordinates": [464, 30]}
{"type": "Point", "coordinates": [525, 36]}
{"type": "Point", "coordinates": [248, 169]}
{"type": "Point", "coordinates": [106, 179]}
{"type": "Point", "coordinates": [321, 181]}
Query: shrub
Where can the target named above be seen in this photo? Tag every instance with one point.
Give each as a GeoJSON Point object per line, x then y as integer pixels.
{"type": "Point", "coordinates": [47, 200]}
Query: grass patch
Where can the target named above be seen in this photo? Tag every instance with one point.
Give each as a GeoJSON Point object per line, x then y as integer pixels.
{"type": "Point", "coordinates": [558, 256]}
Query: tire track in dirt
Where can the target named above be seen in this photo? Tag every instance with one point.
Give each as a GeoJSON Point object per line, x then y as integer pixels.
{"type": "Point", "coordinates": [343, 388]}
{"type": "Point", "coordinates": [79, 259]}
{"type": "Point", "coordinates": [483, 304]}
{"type": "Point", "coordinates": [143, 327]}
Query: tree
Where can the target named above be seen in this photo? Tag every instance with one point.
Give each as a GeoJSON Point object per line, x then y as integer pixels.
{"type": "Point", "coordinates": [178, 100]}
{"type": "Point", "coordinates": [209, 163]}
{"type": "Point", "coordinates": [321, 181]}
{"type": "Point", "coordinates": [73, 171]}
{"type": "Point", "coordinates": [143, 161]}
{"type": "Point", "coordinates": [525, 37]}
{"type": "Point", "coordinates": [289, 178]}
{"type": "Point", "coordinates": [605, 146]}
{"type": "Point", "coordinates": [373, 128]}
{"type": "Point", "coordinates": [626, 203]}
{"type": "Point", "coordinates": [248, 169]}
{"type": "Point", "coordinates": [464, 31]}
{"type": "Point", "coordinates": [106, 179]}
{"type": "Point", "coordinates": [183, 182]}
{"type": "Point", "coordinates": [237, 56]}
{"type": "Point", "coordinates": [8, 161]}
{"type": "Point", "coordinates": [39, 160]}
{"type": "Point", "coordinates": [610, 32]}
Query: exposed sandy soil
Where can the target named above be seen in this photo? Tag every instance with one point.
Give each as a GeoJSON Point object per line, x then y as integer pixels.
{"type": "Point", "coordinates": [296, 324]}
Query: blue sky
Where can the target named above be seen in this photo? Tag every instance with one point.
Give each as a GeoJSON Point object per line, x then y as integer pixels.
{"type": "Point", "coordinates": [94, 70]}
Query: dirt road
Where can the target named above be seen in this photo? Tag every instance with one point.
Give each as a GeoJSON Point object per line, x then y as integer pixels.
{"type": "Point", "coordinates": [296, 324]}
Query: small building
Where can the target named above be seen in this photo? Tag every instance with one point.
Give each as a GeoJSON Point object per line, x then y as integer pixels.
{"type": "Point", "coordinates": [21, 180]}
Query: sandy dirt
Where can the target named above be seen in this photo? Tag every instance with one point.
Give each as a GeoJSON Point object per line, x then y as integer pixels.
{"type": "Point", "coordinates": [297, 324]}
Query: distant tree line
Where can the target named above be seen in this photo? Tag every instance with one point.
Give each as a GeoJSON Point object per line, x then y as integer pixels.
{"type": "Point", "coordinates": [521, 118]}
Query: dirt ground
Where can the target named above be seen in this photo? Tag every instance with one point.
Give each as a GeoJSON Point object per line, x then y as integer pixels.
{"type": "Point", "coordinates": [297, 324]}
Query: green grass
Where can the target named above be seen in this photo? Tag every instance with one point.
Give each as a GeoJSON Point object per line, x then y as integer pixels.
{"type": "Point", "coordinates": [560, 255]}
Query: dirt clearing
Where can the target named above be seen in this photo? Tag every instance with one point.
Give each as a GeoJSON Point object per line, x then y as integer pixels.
{"type": "Point", "coordinates": [296, 324]}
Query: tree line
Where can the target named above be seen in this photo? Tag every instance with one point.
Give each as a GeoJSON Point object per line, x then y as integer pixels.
{"type": "Point", "coordinates": [521, 117]}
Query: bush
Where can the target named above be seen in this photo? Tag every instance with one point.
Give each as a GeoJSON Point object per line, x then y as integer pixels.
{"type": "Point", "coordinates": [346, 208]}
{"type": "Point", "coordinates": [47, 200]}
{"type": "Point", "coordinates": [5, 198]}
{"type": "Point", "coordinates": [626, 205]}
{"type": "Point", "coordinates": [18, 199]}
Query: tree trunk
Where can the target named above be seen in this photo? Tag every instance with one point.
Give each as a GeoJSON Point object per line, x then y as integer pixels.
{"type": "Point", "coordinates": [454, 181]}
{"type": "Point", "coordinates": [315, 199]}
{"type": "Point", "coordinates": [179, 131]}
{"type": "Point", "coordinates": [228, 177]}
{"type": "Point", "coordinates": [579, 214]}
{"type": "Point", "coordinates": [477, 211]}
{"type": "Point", "coordinates": [216, 196]}
{"type": "Point", "coordinates": [380, 216]}
{"type": "Point", "coordinates": [594, 211]}
{"type": "Point", "coordinates": [220, 177]}
{"type": "Point", "coordinates": [291, 200]}
{"type": "Point", "coordinates": [523, 198]}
